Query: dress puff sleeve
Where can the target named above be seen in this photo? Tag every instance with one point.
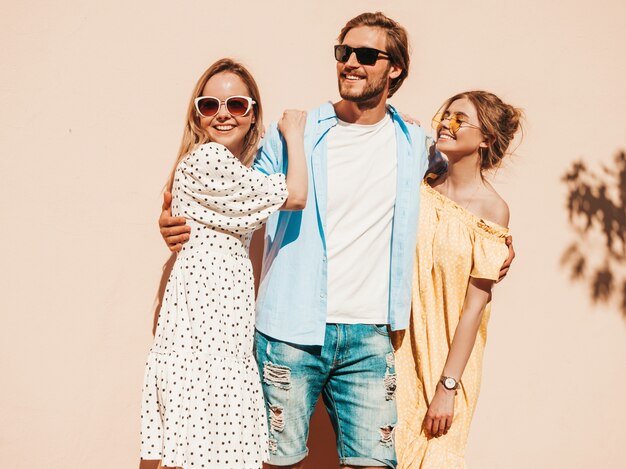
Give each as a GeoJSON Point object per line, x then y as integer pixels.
{"type": "Point", "coordinates": [489, 250]}
{"type": "Point", "coordinates": [220, 192]}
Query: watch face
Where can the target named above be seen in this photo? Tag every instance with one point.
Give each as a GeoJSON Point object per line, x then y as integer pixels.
{"type": "Point", "coordinates": [450, 383]}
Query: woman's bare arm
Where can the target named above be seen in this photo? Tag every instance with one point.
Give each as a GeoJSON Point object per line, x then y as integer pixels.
{"type": "Point", "coordinates": [291, 126]}
{"type": "Point", "coordinates": [440, 412]}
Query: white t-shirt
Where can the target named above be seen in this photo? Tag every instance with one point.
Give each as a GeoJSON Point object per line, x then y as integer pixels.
{"type": "Point", "coordinates": [362, 165]}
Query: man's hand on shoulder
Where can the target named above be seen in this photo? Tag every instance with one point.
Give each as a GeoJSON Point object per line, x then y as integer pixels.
{"type": "Point", "coordinates": [507, 264]}
{"type": "Point", "coordinates": [174, 230]}
{"type": "Point", "coordinates": [410, 120]}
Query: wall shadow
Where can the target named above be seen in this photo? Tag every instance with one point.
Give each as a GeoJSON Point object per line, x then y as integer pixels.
{"type": "Point", "coordinates": [149, 464]}
{"type": "Point", "coordinates": [322, 446]}
{"type": "Point", "coordinates": [256, 255]}
{"type": "Point", "coordinates": [321, 443]}
{"type": "Point", "coordinates": [596, 206]}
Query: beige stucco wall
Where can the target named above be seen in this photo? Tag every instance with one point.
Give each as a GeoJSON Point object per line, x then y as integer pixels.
{"type": "Point", "coordinates": [92, 97]}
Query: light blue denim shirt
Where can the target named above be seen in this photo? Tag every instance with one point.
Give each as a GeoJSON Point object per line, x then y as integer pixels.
{"type": "Point", "coordinates": [292, 302]}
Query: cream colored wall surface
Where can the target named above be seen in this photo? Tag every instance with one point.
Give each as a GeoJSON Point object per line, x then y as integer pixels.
{"type": "Point", "coordinates": [92, 98]}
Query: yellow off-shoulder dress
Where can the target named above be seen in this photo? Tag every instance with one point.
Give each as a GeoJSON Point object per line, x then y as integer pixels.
{"type": "Point", "coordinates": [453, 245]}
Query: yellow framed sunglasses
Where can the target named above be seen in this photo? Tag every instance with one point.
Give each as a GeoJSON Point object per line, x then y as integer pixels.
{"type": "Point", "coordinates": [456, 120]}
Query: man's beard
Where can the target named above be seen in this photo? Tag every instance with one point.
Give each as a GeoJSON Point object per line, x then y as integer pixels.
{"type": "Point", "coordinates": [371, 90]}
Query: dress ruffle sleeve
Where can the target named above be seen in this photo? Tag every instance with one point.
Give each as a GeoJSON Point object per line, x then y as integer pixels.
{"type": "Point", "coordinates": [225, 194]}
{"type": "Point", "coordinates": [489, 250]}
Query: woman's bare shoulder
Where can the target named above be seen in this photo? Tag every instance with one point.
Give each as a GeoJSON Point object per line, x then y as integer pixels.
{"type": "Point", "coordinates": [494, 208]}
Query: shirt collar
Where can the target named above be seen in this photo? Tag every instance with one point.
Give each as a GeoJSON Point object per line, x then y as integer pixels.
{"type": "Point", "coordinates": [327, 113]}
{"type": "Point", "coordinates": [395, 115]}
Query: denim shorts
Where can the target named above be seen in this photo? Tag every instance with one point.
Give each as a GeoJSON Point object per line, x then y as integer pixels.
{"type": "Point", "coordinates": [355, 374]}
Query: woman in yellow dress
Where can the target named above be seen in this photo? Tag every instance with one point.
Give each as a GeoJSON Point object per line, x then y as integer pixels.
{"type": "Point", "coordinates": [461, 248]}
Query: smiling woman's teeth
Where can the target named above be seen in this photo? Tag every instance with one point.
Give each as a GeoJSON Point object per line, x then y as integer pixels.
{"type": "Point", "coordinates": [224, 127]}
{"type": "Point", "coordinates": [445, 137]}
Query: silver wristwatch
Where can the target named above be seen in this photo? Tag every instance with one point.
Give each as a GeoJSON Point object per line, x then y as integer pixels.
{"type": "Point", "coordinates": [450, 383]}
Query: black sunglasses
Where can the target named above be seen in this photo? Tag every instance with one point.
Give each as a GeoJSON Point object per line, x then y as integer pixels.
{"type": "Point", "coordinates": [364, 55]}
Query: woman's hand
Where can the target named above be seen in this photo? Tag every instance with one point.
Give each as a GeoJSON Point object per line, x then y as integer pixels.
{"type": "Point", "coordinates": [440, 412]}
{"type": "Point", "coordinates": [291, 126]}
{"type": "Point", "coordinates": [292, 123]}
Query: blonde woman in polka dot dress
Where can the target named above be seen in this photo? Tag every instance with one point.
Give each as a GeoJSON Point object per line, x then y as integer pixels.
{"type": "Point", "coordinates": [202, 401]}
{"type": "Point", "coordinates": [461, 249]}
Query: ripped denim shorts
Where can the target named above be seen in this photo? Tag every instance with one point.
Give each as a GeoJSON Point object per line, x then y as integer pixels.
{"type": "Point", "coordinates": [355, 374]}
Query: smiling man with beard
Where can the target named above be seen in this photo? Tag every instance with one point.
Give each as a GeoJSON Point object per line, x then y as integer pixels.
{"type": "Point", "coordinates": [337, 275]}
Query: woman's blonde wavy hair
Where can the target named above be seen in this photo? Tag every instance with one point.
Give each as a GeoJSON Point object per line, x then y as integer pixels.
{"type": "Point", "coordinates": [194, 135]}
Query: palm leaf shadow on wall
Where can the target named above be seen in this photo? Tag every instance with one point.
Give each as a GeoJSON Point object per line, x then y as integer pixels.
{"type": "Point", "coordinates": [596, 205]}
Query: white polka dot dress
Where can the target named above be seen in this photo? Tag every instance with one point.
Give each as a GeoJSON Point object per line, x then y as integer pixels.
{"type": "Point", "coordinates": [202, 401]}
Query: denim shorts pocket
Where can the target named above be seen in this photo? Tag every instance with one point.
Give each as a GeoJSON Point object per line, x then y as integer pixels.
{"type": "Point", "coordinates": [382, 329]}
